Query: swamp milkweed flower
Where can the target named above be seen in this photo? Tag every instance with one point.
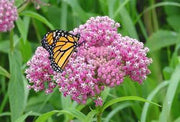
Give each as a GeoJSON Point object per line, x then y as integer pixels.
{"type": "Point", "coordinates": [104, 60]}
{"type": "Point", "coordinates": [8, 14]}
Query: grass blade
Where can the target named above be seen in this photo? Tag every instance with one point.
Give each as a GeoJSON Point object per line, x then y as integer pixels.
{"type": "Point", "coordinates": [90, 116]}
{"type": "Point", "coordinates": [4, 72]}
{"type": "Point", "coordinates": [114, 111]}
{"type": "Point", "coordinates": [71, 112]}
{"type": "Point", "coordinates": [38, 17]}
{"type": "Point", "coordinates": [150, 97]}
{"type": "Point", "coordinates": [173, 84]}
{"type": "Point", "coordinates": [126, 98]}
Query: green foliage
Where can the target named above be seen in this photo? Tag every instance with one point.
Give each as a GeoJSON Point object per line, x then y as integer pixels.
{"type": "Point", "coordinates": [157, 24]}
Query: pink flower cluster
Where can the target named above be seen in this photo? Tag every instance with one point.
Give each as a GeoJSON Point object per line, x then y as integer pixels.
{"type": "Point", "coordinates": [8, 14]}
{"type": "Point", "coordinates": [104, 60]}
{"type": "Point", "coordinates": [39, 73]}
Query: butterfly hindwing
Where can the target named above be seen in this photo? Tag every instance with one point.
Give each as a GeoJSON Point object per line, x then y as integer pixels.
{"type": "Point", "coordinates": [60, 45]}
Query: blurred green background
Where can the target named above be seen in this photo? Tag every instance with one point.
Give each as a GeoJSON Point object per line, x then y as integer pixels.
{"type": "Point", "coordinates": [156, 23]}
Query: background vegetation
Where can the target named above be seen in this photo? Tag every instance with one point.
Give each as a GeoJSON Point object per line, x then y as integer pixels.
{"type": "Point", "coordinates": [154, 22]}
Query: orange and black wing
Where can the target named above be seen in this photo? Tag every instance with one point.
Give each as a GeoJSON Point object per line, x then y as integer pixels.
{"type": "Point", "coordinates": [62, 50]}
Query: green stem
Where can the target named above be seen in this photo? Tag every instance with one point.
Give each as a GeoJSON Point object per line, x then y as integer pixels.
{"type": "Point", "coordinates": [11, 40]}
{"type": "Point", "coordinates": [99, 117]}
{"type": "Point", "coordinates": [99, 114]}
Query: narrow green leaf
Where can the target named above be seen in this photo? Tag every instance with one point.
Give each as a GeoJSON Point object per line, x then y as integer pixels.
{"type": "Point", "coordinates": [23, 117]}
{"type": "Point", "coordinates": [16, 88]}
{"type": "Point", "coordinates": [64, 13]}
{"type": "Point", "coordinates": [44, 117]}
{"type": "Point", "coordinates": [119, 8]}
{"type": "Point", "coordinates": [114, 111]}
{"type": "Point", "coordinates": [26, 50]}
{"type": "Point", "coordinates": [90, 116]}
{"type": "Point", "coordinates": [4, 72]}
{"type": "Point", "coordinates": [174, 22]}
{"type": "Point", "coordinates": [173, 84]}
{"type": "Point", "coordinates": [5, 114]}
{"type": "Point", "coordinates": [38, 17]}
{"type": "Point", "coordinates": [127, 23]}
{"type": "Point", "coordinates": [126, 98]}
{"type": "Point", "coordinates": [150, 97]}
{"type": "Point", "coordinates": [71, 112]}
{"type": "Point", "coordinates": [105, 93]}
{"type": "Point", "coordinates": [21, 28]}
{"type": "Point", "coordinates": [111, 4]}
{"type": "Point", "coordinates": [162, 38]}
{"type": "Point", "coordinates": [78, 11]}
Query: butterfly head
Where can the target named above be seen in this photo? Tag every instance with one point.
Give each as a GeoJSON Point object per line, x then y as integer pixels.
{"type": "Point", "coordinates": [78, 36]}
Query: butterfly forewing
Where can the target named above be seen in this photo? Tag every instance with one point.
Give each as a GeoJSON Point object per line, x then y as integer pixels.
{"type": "Point", "coordinates": [60, 45]}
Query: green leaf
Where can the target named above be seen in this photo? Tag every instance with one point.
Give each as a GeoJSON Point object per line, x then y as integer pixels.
{"type": "Point", "coordinates": [126, 98]}
{"type": "Point", "coordinates": [174, 22]}
{"type": "Point", "coordinates": [38, 17]}
{"type": "Point", "coordinates": [4, 72]}
{"type": "Point", "coordinates": [117, 109]}
{"type": "Point", "coordinates": [127, 23]}
{"type": "Point", "coordinates": [173, 84]}
{"type": "Point", "coordinates": [4, 46]}
{"type": "Point", "coordinates": [105, 93]}
{"type": "Point", "coordinates": [90, 116]}
{"type": "Point", "coordinates": [78, 11]}
{"type": "Point", "coordinates": [5, 114]}
{"type": "Point", "coordinates": [16, 88]}
{"type": "Point", "coordinates": [23, 27]}
{"type": "Point", "coordinates": [44, 117]}
{"type": "Point", "coordinates": [18, 2]}
{"type": "Point", "coordinates": [162, 38]}
{"type": "Point", "coordinates": [119, 8]}
{"type": "Point", "coordinates": [167, 71]}
{"type": "Point", "coordinates": [26, 50]}
{"type": "Point", "coordinates": [23, 117]}
{"type": "Point", "coordinates": [71, 112]}
{"type": "Point", "coordinates": [150, 97]}
{"type": "Point", "coordinates": [56, 13]}
{"type": "Point", "coordinates": [177, 120]}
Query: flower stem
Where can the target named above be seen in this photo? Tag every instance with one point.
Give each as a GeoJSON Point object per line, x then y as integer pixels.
{"type": "Point", "coordinates": [99, 117]}
{"type": "Point", "coordinates": [99, 113]}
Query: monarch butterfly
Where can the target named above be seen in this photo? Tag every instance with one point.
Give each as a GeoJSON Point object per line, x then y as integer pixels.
{"type": "Point", "coordinates": [60, 45]}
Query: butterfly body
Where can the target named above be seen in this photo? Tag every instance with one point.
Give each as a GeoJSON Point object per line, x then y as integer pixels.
{"type": "Point", "coordinates": [60, 45]}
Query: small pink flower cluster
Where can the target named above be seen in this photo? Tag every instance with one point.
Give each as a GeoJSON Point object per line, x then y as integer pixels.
{"type": "Point", "coordinates": [103, 61]}
{"type": "Point", "coordinates": [8, 14]}
{"type": "Point", "coordinates": [39, 72]}
{"type": "Point", "coordinates": [133, 54]}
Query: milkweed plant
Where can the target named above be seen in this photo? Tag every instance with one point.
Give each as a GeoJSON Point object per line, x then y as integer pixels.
{"type": "Point", "coordinates": [104, 60]}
